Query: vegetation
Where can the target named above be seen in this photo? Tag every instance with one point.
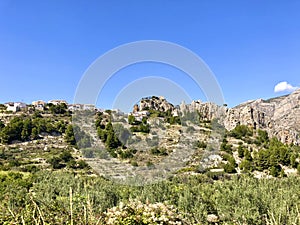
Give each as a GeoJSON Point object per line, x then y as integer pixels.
{"type": "Point", "coordinates": [109, 137]}
{"type": "Point", "coordinates": [58, 109]}
{"type": "Point", "coordinates": [241, 131]}
{"type": "Point", "coordinates": [135, 212]}
{"type": "Point", "coordinates": [158, 151]}
{"type": "Point", "coordinates": [42, 183]}
{"type": "Point", "coordinates": [76, 137]}
{"type": "Point", "coordinates": [62, 198]}
{"type": "Point", "coordinates": [271, 157]}
{"type": "Point", "coordinates": [143, 128]}
{"type": "Point", "coordinates": [26, 128]}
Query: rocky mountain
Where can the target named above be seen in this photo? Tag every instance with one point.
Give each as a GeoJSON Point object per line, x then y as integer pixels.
{"type": "Point", "coordinates": [156, 103]}
{"type": "Point", "coordinates": [279, 116]}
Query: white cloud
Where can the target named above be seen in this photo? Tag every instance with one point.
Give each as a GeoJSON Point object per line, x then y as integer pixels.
{"type": "Point", "coordinates": [284, 86]}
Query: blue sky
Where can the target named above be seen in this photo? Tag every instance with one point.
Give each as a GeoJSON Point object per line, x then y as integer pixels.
{"type": "Point", "coordinates": [46, 46]}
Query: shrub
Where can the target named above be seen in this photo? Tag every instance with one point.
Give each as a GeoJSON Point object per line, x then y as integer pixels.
{"type": "Point", "coordinates": [135, 213]}
{"type": "Point", "coordinates": [158, 151]}
{"type": "Point", "coordinates": [201, 144]}
{"type": "Point", "coordinates": [241, 131]}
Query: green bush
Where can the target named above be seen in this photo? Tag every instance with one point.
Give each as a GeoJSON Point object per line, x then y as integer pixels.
{"type": "Point", "coordinates": [158, 151]}
{"type": "Point", "coordinates": [241, 131]}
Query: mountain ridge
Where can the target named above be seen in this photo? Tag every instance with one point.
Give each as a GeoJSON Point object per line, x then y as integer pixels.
{"type": "Point", "coordinates": [279, 116]}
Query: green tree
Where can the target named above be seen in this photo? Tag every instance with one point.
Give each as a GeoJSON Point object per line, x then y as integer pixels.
{"type": "Point", "coordinates": [247, 155]}
{"type": "Point", "coordinates": [66, 156]}
{"type": "Point", "coordinates": [69, 135]}
{"type": "Point", "coordinates": [34, 133]}
{"type": "Point", "coordinates": [262, 137]}
{"type": "Point", "coordinates": [241, 131]}
{"type": "Point", "coordinates": [229, 168]}
{"type": "Point", "coordinates": [1, 125]}
{"type": "Point", "coordinates": [241, 151]}
{"type": "Point", "coordinates": [246, 165]}
{"type": "Point", "coordinates": [27, 129]}
{"type": "Point", "coordinates": [58, 109]}
{"type": "Point", "coordinates": [131, 119]}
{"type": "Point", "coordinates": [275, 171]}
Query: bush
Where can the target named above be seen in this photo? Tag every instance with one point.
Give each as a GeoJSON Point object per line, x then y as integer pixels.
{"type": "Point", "coordinates": [137, 213]}
{"type": "Point", "coordinates": [226, 147]}
{"type": "Point", "coordinates": [201, 144]}
{"type": "Point", "coordinates": [143, 128]}
{"type": "Point", "coordinates": [241, 131]}
{"type": "Point", "coordinates": [246, 166]}
{"type": "Point", "coordinates": [158, 151]}
{"type": "Point", "coordinates": [229, 168]}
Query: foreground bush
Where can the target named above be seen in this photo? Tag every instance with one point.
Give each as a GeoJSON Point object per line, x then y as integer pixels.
{"type": "Point", "coordinates": [137, 213]}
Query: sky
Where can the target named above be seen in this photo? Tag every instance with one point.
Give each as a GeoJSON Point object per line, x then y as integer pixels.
{"type": "Point", "coordinates": [46, 47]}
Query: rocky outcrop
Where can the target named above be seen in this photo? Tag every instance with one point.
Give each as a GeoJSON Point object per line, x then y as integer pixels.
{"type": "Point", "coordinates": [155, 103]}
{"type": "Point", "coordinates": [279, 116]}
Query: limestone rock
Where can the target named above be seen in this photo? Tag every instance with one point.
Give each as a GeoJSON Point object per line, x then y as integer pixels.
{"type": "Point", "coordinates": [156, 103]}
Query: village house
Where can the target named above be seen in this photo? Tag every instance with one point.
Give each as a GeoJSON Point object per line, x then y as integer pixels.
{"type": "Point", "coordinates": [15, 106]}
{"type": "Point", "coordinates": [57, 102]}
{"type": "Point", "coordinates": [89, 107]}
{"type": "Point", "coordinates": [39, 104]}
{"type": "Point", "coordinates": [140, 115]}
{"type": "Point", "coordinates": [74, 107]}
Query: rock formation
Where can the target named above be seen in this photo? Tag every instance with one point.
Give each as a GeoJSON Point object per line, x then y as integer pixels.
{"type": "Point", "coordinates": [279, 116]}
{"type": "Point", "coordinates": [156, 103]}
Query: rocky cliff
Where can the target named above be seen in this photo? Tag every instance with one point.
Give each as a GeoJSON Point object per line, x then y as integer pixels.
{"type": "Point", "coordinates": [156, 103]}
{"type": "Point", "coordinates": [279, 116]}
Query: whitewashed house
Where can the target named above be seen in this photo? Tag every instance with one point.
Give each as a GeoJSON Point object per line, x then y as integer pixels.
{"type": "Point", "coordinates": [74, 107]}
{"type": "Point", "coordinates": [140, 115]}
{"type": "Point", "coordinates": [57, 102]}
{"type": "Point", "coordinates": [15, 106]}
{"type": "Point", "coordinates": [89, 107]}
{"type": "Point", "coordinates": [39, 104]}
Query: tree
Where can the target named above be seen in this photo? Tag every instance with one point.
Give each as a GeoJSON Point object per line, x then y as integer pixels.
{"type": "Point", "coordinates": [247, 155]}
{"type": "Point", "coordinates": [241, 151]}
{"type": "Point", "coordinates": [241, 131]}
{"type": "Point", "coordinates": [55, 163]}
{"type": "Point", "coordinates": [131, 119]}
{"type": "Point", "coordinates": [34, 133]}
{"type": "Point", "coordinates": [1, 124]}
{"type": "Point", "coordinates": [246, 166]}
{"type": "Point", "coordinates": [27, 129]}
{"type": "Point", "coordinates": [66, 156]}
{"type": "Point", "coordinates": [69, 135]}
{"type": "Point", "coordinates": [262, 137]}
{"type": "Point", "coordinates": [293, 160]}
{"type": "Point", "coordinates": [229, 168]}
{"type": "Point", "coordinates": [58, 109]}
{"type": "Point", "coordinates": [275, 170]}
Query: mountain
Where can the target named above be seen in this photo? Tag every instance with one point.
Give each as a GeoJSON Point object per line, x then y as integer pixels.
{"type": "Point", "coordinates": [280, 116]}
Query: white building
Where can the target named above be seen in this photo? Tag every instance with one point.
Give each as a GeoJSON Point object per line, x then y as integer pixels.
{"type": "Point", "coordinates": [57, 102]}
{"type": "Point", "coordinates": [39, 104]}
{"type": "Point", "coordinates": [140, 115]}
{"type": "Point", "coordinates": [15, 106]}
{"type": "Point", "coordinates": [74, 107]}
{"type": "Point", "coordinates": [89, 107]}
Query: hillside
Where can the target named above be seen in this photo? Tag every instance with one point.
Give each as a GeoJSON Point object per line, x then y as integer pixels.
{"type": "Point", "coordinates": [192, 156]}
